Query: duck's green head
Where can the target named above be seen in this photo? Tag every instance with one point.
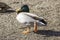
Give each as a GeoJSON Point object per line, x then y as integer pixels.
{"type": "Point", "coordinates": [24, 8]}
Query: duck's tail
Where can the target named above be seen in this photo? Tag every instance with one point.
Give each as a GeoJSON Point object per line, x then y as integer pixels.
{"type": "Point", "coordinates": [42, 22]}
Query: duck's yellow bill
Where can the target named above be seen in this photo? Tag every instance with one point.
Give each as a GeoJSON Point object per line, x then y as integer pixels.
{"type": "Point", "coordinates": [17, 10]}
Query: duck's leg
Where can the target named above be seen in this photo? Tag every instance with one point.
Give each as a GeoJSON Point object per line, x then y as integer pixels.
{"type": "Point", "coordinates": [35, 26]}
{"type": "Point", "coordinates": [26, 31]}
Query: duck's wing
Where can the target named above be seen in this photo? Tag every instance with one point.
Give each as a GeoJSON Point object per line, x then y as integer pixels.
{"type": "Point", "coordinates": [35, 17]}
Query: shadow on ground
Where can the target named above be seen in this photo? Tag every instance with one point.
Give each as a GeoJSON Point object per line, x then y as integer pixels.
{"type": "Point", "coordinates": [48, 33]}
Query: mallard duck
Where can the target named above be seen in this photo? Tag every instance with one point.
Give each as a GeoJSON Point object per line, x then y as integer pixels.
{"type": "Point", "coordinates": [4, 7]}
{"type": "Point", "coordinates": [24, 17]}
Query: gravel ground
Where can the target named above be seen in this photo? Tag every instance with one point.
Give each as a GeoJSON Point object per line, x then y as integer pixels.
{"type": "Point", "coordinates": [48, 9]}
